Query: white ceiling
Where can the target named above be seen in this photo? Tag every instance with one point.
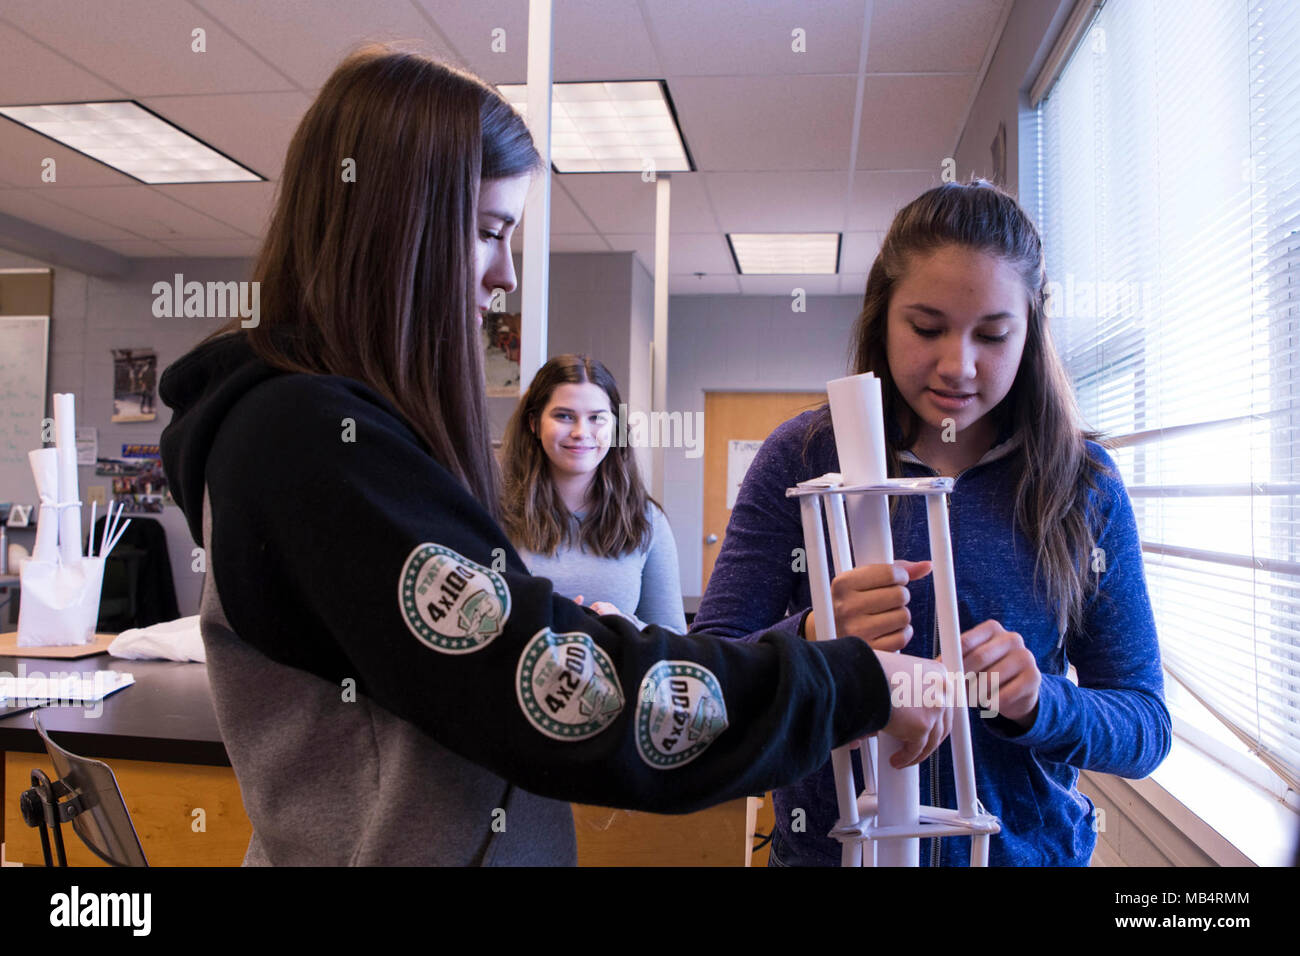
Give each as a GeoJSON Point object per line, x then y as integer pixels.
{"type": "Point", "coordinates": [771, 130]}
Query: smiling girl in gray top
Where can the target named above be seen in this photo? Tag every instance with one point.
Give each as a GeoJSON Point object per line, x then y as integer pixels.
{"type": "Point", "coordinates": [575, 507]}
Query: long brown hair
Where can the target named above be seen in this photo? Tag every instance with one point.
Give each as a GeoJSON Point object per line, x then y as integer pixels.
{"type": "Point", "coordinates": [369, 256]}
{"type": "Point", "coordinates": [1040, 408]}
{"type": "Point", "coordinates": [534, 514]}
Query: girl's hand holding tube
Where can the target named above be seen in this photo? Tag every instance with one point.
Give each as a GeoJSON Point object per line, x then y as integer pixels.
{"type": "Point", "coordinates": [1013, 671]}
{"type": "Point", "coordinates": [871, 603]}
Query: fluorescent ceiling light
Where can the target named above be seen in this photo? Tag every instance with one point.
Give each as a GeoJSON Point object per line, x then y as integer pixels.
{"type": "Point", "coordinates": [785, 253]}
{"type": "Point", "coordinates": [132, 140]}
{"type": "Point", "coordinates": [610, 127]}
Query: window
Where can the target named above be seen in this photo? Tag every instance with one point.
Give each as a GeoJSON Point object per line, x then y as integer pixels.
{"type": "Point", "coordinates": [1169, 200]}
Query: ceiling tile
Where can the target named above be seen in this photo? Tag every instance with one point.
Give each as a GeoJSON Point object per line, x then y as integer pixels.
{"type": "Point", "coordinates": [577, 243]}
{"type": "Point", "coordinates": [623, 204]}
{"type": "Point", "coordinates": [913, 36]}
{"type": "Point", "coordinates": [699, 252]}
{"type": "Point", "coordinates": [703, 285]}
{"type": "Point", "coordinates": [246, 206]}
{"type": "Point", "coordinates": [912, 122]}
{"type": "Point", "coordinates": [779, 202]}
{"type": "Point", "coordinates": [785, 285]}
{"type": "Point", "coordinates": [469, 29]}
{"type": "Point", "coordinates": [150, 214]}
{"type": "Point", "coordinates": [23, 151]}
{"type": "Point", "coordinates": [853, 283]}
{"type": "Point", "coordinates": [766, 122]}
{"type": "Point", "coordinates": [31, 73]}
{"type": "Point", "coordinates": [276, 30]}
{"type": "Point", "coordinates": [879, 194]}
{"type": "Point", "coordinates": [139, 248]}
{"type": "Point", "coordinates": [643, 245]}
{"type": "Point", "coordinates": [594, 39]}
{"type": "Point", "coordinates": [144, 46]}
{"type": "Point", "coordinates": [858, 251]}
{"type": "Point", "coordinates": [253, 129]}
{"type": "Point", "coordinates": [32, 206]}
{"type": "Point", "coordinates": [740, 37]}
{"type": "Point", "coordinates": [566, 217]}
{"type": "Point", "coordinates": [615, 202]}
{"type": "Point", "coordinates": [603, 40]}
{"type": "Point", "coordinates": [216, 248]}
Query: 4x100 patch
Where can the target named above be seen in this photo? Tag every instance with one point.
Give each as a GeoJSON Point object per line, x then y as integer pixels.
{"type": "Point", "coordinates": [680, 711]}
{"type": "Point", "coordinates": [567, 686]}
{"type": "Point", "coordinates": [450, 603]}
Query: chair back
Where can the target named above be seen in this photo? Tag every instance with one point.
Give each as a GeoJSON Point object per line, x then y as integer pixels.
{"type": "Point", "coordinates": [102, 820]}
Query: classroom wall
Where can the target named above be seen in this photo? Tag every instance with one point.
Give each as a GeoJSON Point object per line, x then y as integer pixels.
{"type": "Point", "coordinates": [740, 343]}
{"type": "Point", "coordinates": [1031, 29]}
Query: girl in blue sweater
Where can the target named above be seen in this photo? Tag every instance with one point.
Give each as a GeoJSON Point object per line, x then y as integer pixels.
{"type": "Point", "coordinates": [1048, 561]}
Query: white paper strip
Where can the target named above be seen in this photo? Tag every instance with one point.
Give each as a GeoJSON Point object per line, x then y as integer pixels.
{"type": "Point", "coordinates": [65, 441]}
{"type": "Point", "coordinates": [45, 470]}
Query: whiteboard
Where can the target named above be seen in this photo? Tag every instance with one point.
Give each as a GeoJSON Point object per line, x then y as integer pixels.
{"type": "Point", "coordinates": [24, 351]}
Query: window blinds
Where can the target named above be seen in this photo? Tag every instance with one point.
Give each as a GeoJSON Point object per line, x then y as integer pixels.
{"type": "Point", "coordinates": [1169, 200]}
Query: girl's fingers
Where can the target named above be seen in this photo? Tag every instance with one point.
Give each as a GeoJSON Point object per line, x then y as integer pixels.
{"type": "Point", "coordinates": [891, 642]}
{"type": "Point", "coordinates": [917, 569]}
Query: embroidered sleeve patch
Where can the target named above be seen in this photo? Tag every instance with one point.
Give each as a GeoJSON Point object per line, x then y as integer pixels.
{"type": "Point", "coordinates": [450, 603]}
{"type": "Point", "coordinates": [567, 686]}
{"type": "Point", "coordinates": [680, 711]}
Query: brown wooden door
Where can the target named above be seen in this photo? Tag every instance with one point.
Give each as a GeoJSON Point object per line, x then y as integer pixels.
{"type": "Point", "coordinates": [738, 416]}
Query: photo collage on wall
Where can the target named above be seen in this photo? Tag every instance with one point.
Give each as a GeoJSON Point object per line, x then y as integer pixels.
{"type": "Point", "coordinates": [138, 480]}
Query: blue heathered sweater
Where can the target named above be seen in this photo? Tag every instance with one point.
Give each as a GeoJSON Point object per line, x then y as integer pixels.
{"type": "Point", "coordinates": [1115, 721]}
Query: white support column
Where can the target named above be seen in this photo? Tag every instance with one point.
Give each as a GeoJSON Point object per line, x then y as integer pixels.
{"type": "Point", "coordinates": [537, 221]}
{"type": "Point", "coordinates": [659, 374]}
{"type": "Point", "coordinates": [819, 583]}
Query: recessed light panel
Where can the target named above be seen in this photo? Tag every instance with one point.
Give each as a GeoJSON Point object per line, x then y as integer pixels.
{"type": "Point", "coordinates": [783, 253]}
{"type": "Point", "coordinates": [609, 127]}
{"type": "Point", "coordinates": [132, 140]}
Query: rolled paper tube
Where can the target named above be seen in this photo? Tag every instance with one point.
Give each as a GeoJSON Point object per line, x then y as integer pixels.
{"type": "Point", "coordinates": [45, 469]}
{"type": "Point", "coordinates": [65, 441]}
{"type": "Point", "coordinates": [857, 417]}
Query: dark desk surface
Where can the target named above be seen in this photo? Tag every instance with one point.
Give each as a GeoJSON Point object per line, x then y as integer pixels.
{"type": "Point", "coordinates": [165, 716]}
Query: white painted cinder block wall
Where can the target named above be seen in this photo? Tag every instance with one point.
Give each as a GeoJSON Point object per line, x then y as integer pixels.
{"type": "Point", "coordinates": [740, 343]}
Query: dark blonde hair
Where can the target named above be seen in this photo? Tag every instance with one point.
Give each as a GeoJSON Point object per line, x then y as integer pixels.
{"type": "Point", "coordinates": [1057, 473]}
{"type": "Point", "coordinates": [533, 513]}
{"type": "Point", "coordinates": [372, 276]}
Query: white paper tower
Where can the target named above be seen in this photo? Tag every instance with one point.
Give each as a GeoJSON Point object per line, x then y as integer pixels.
{"type": "Point", "coordinates": [60, 586]}
{"type": "Point", "coordinates": [883, 825]}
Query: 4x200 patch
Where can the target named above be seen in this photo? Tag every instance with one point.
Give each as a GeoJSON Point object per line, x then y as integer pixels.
{"type": "Point", "coordinates": [567, 686]}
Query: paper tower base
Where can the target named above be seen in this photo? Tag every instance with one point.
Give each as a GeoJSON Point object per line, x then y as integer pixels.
{"type": "Point", "coordinates": [60, 605]}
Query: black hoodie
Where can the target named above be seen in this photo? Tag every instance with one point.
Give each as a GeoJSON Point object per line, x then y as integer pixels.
{"type": "Point", "coordinates": [388, 676]}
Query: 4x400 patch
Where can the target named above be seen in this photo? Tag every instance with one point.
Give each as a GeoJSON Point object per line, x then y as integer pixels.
{"type": "Point", "coordinates": [680, 711]}
{"type": "Point", "coordinates": [450, 603]}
